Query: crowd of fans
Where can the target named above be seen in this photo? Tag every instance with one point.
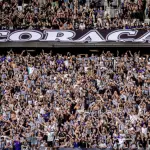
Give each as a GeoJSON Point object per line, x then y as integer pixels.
{"type": "Point", "coordinates": [73, 14]}
{"type": "Point", "coordinates": [97, 101]}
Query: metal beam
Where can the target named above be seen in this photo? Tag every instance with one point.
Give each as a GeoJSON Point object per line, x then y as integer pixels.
{"type": "Point", "coordinates": [67, 45]}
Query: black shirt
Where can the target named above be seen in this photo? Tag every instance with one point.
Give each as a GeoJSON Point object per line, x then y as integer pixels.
{"type": "Point", "coordinates": [82, 144]}
{"type": "Point", "coordinates": [55, 26]}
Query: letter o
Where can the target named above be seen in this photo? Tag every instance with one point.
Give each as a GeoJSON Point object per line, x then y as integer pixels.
{"type": "Point", "coordinates": [31, 36]}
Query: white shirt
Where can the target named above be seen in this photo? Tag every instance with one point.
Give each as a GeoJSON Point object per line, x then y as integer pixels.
{"type": "Point", "coordinates": [144, 130]}
{"type": "Point", "coordinates": [50, 136]}
{"type": "Point", "coordinates": [30, 70]}
{"type": "Point", "coordinates": [133, 118]}
{"type": "Point", "coordinates": [121, 140]}
{"type": "Point", "coordinates": [82, 26]}
{"type": "Point", "coordinates": [66, 63]}
{"type": "Point", "coordinates": [42, 111]}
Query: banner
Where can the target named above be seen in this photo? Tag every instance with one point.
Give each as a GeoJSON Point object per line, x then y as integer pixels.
{"type": "Point", "coordinates": [78, 36]}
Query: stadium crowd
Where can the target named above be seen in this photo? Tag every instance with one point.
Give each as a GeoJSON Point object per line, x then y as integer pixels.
{"type": "Point", "coordinates": [73, 14]}
{"type": "Point", "coordinates": [97, 101]}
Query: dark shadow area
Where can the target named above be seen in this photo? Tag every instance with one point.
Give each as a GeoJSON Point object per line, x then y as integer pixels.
{"type": "Point", "coordinates": [76, 51]}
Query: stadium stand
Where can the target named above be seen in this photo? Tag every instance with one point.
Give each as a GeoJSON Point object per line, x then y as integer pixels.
{"type": "Point", "coordinates": [77, 14]}
{"type": "Point", "coordinates": [77, 101]}
{"type": "Point", "coordinates": [51, 100]}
